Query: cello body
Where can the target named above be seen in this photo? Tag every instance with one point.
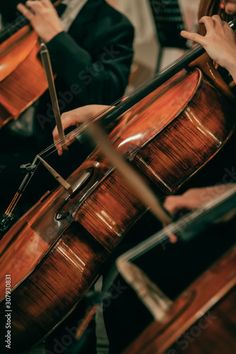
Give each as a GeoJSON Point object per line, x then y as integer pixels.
{"type": "Point", "coordinates": [201, 320]}
{"type": "Point", "coordinates": [56, 251]}
{"type": "Point", "coordinates": [22, 76]}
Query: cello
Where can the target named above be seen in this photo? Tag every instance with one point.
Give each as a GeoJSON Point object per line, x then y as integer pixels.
{"type": "Point", "coordinates": [19, 51]}
{"type": "Point", "coordinates": [56, 251]}
{"type": "Point", "coordinates": [202, 318]}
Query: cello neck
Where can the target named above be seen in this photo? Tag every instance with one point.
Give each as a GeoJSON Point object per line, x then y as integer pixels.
{"type": "Point", "coordinates": [12, 28]}
{"type": "Point", "coordinates": [180, 64]}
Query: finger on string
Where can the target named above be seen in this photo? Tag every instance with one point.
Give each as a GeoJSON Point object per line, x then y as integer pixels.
{"type": "Point", "coordinates": [58, 147]}
{"type": "Point", "coordinates": [70, 119]}
{"type": "Point", "coordinates": [208, 22]}
{"type": "Point", "coordinates": [69, 139]}
{"type": "Point", "coordinates": [195, 37]}
{"type": "Point", "coordinates": [59, 142]}
{"type": "Point", "coordinates": [170, 232]}
{"type": "Point", "coordinates": [67, 122]}
{"type": "Point", "coordinates": [53, 147]}
{"type": "Point", "coordinates": [76, 132]}
{"type": "Point", "coordinates": [55, 135]}
{"type": "Point", "coordinates": [25, 11]}
{"type": "Point", "coordinates": [56, 140]}
{"type": "Point", "coordinates": [172, 238]}
{"type": "Point", "coordinates": [175, 203]}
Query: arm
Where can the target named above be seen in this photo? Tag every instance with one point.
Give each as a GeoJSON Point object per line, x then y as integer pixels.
{"type": "Point", "coordinates": [75, 117]}
{"type": "Point", "coordinates": [194, 198]}
{"type": "Point", "coordinates": [101, 76]}
{"type": "Point", "coordinates": [219, 42]}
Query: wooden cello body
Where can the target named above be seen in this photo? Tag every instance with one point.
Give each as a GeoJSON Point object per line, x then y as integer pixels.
{"type": "Point", "coordinates": [56, 251]}
{"type": "Point", "coordinates": [201, 320]}
{"type": "Point", "coordinates": [22, 76]}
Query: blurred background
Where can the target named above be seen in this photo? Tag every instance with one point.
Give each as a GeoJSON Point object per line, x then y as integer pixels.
{"type": "Point", "coordinates": [144, 15]}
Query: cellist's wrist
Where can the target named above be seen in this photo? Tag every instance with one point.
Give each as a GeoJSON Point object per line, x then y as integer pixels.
{"type": "Point", "coordinates": [231, 65]}
{"type": "Point", "coordinates": [50, 35]}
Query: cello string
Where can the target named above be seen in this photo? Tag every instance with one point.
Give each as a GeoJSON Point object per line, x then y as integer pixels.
{"type": "Point", "coordinates": [52, 148]}
{"type": "Point", "coordinates": [12, 27]}
{"type": "Point", "coordinates": [83, 127]}
{"type": "Point", "coordinates": [73, 134]}
{"type": "Point", "coordinates": [12, 205]}
{"type": "Point", "coordinates": [162, 236]}
{"type": "Point", "coordinates": [132, 178]}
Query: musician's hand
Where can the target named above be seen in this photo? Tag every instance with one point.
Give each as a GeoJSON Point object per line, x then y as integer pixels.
{"type": "Point", "coordinates": [194, 198]}
{"type": "Point", "coordinates": [75, 117]}
{"type": "Point", "coordinates": [219, 42]}
{"type": "Point", "coordinates": [43, 18]}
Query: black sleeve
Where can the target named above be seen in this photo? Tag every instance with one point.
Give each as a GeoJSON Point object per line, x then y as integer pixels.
{"type": "Point", "coordinates": [98, 79]}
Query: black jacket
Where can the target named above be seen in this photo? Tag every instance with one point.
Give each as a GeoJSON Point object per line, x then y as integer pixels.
{"type": "Point", "coordinates": [92, 61]}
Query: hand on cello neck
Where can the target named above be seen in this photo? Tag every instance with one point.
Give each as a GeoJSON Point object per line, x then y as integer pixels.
{"type": "Point", "coordinates": [219, 42]}
{"type": "Point", "coordinates": [43, 18]}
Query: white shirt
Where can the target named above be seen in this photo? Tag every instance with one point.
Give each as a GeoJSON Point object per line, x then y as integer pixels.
{"type": "Point", "coordinates": [72, 10]}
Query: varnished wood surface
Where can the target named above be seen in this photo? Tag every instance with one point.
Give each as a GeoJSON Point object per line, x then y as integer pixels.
{"type": "Point", "coordinates": [167, 149]}
{"type": "Point", "coordinates": [15, 50]}
{"type": "Point", "coordinates": [213, 333]}
{"type": "Point", "coordinates": [156, 111]}
{"type": "Point", "coordinates": [54, 287]}
{"type": "Point", "coordinates": [21, 74]}
{"type": "Point", "coordinates": [41, 249]}
{"type": "Point", "coordinates": [201, 321]}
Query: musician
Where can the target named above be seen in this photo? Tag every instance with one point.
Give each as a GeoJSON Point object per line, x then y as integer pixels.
{"type": "Point", "coordinates": [194, 198]}
{"type": "Point", "coordinates": [220, 43]}
{"type": "Point", "coordinates": [96, 53]}
{"type": "Point", "coordinates": [91, 48]}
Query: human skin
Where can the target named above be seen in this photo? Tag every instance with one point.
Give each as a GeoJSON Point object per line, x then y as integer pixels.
{"type": "Point", "coordinates": [43, 18]}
